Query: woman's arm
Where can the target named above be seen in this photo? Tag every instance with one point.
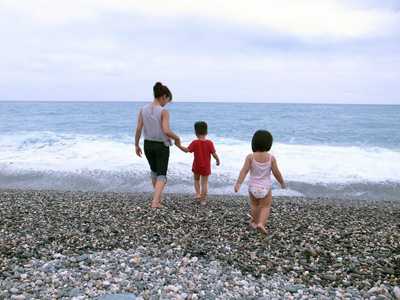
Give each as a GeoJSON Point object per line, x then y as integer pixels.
{"type": "Point", "coordinates": [165, 125]}
{"type": "Point", "coordinates": [243, 172]}
{"type": "Point", "coordinates": [138, 134]}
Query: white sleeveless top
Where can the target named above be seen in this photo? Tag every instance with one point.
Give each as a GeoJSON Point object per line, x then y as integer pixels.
{"type": "Point", "coordinates": [260, 174]}
{"type": "Point", "coordinates": [152, 125]}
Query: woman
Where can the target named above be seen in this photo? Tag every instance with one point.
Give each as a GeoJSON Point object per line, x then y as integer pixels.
{"type": "Point", "coordinates": [154, 120]}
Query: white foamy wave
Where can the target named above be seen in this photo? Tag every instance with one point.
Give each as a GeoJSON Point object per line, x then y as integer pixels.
{"type": "Point", "coordinates": [328, 164]}
{"type": "Point", "coordinates": [317, 164]}
{"type": "Point", "coordinates": [68, 152]}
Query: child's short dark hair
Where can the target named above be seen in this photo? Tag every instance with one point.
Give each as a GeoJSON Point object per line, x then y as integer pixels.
{"type": "Point", "coordinates": [200, 127]}
{"type": "Point", "coordinates": [262, 141]}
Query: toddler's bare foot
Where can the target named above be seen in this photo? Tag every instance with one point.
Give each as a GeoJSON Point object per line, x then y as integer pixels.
{"type": "Point", "coordinates": [196, 197]}
{"type": "Point", "coordinates": [261, 229]}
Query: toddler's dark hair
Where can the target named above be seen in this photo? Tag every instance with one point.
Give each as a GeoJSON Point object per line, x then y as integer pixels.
{"type": "Point", "coordinates": [200, 127]}
{"type": "Point", "coordinates": [161, 90]}
{"type": "Point", "coordinates": [262, 141]}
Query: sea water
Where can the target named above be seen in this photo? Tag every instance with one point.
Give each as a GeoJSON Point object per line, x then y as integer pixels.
{"type": "Point", "coordinates": [344, 151]}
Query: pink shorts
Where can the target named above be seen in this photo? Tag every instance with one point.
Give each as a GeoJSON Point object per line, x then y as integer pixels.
{"type": "Point", "coordinates": [259, 192]}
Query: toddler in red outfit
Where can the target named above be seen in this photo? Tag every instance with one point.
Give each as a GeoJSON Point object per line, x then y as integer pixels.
{"type": "Point", "coordinates": [202, 149]}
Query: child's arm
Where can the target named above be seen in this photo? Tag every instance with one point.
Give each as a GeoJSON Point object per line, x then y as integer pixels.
{"type": "Point", "coordinates": [277, 173]}
{"type": "Point", "coordinates": [216, 157]}
{"type": "Point", "coordinates": [243, 172]}
{"type": "Point", "coordinates": [184, 149]}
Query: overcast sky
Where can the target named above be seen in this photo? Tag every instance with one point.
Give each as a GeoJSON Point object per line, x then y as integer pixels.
{"type": "Point", "coordinates": [308, 51]}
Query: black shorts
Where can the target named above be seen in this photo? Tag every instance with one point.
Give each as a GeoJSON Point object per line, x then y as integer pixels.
{"type": "Point", "coordinates": [157, 155]}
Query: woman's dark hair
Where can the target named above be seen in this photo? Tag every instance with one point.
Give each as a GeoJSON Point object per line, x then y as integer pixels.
{"type": "Point", "coordinates": [200, 127]}
{"type": "Point", "coordinates": [161, 90]}
{"type": "Point", "coordinates": [262, 141]}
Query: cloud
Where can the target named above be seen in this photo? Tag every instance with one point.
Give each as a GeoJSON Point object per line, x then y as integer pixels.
{"type": "Point", "coordinates": [306, 19]}
{"type": "Point", "coordinates": [340, 48]}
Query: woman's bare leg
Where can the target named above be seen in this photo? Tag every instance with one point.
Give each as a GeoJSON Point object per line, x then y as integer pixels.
{"type": "Point", "coordinates": [154, 181]}
{"type": "Point", "coordinates": [158, 188]}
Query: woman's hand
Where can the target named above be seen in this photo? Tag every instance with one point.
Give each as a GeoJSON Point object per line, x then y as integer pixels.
{"type": "Point", "coordinates": [138, 151]}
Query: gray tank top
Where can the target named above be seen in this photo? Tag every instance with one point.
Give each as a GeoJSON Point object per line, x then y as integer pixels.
{"type": "Point", "coordinates": [152, 125]}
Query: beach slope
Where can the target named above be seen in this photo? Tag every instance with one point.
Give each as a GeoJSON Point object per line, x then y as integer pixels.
{"type": "Point", "coordinates": [65, 244]}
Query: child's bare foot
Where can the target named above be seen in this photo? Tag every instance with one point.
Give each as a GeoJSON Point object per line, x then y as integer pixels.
{"type": "Point", "coordinates": [203, 202]}
{"type": "Point", "coordinates": [157, 205]}
{"type": "Point", "coordinates": [261, 229]}
{"type": "Point", "coordinates": [196, 197]}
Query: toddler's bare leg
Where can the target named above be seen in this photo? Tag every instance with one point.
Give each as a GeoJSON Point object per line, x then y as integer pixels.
{"type": "Point", "coordinates": [197, 186]}
{"type": "Point", "coordinates": [255, 209]}
{"type": "Point", "coordinates": [255, 214]}
{"type": "Point", "coordinates": [204, 180]}
{"type": "Point", "coordinates": [265, 208]}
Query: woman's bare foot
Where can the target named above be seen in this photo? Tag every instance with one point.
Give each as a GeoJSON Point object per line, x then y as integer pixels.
{"type": "Point", "coordinates": [157, 205]}
{"type": "Point", "coordinates": [196, 197]}
{"type": "Point", "coordinates": [261, 229]}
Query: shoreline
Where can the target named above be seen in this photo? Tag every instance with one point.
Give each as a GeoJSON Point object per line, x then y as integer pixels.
{"type": "Point", "coordinates": [112, 242]}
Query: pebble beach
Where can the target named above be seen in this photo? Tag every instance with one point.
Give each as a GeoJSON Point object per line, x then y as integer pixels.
{"type": "Point", "coordinates": [98, 245]}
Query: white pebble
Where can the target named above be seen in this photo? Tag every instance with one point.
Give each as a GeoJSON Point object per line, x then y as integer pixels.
{"type": "Point", "coordinates": [396, 292]}
{"type": "Point", "coordinates": [185, 260]}
{"type": "Point", "coordinates": [379, 290]}
{"type": "Point", "coordinates": [106, 283]}
{"type": "Point", "coordinates": [214, 264]}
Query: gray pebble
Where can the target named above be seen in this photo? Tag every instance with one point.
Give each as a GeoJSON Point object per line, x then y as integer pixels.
{"type": "Point", "coordinates": [74, 292]}
{"type": "Point", "coordinates": [127, 296]}
{"type": "Point", "coordinates": [330, 277]}
{"type": "Point", "coordinates": [291, 289]}
{"type": "Point", "coordinates": [82, 257]}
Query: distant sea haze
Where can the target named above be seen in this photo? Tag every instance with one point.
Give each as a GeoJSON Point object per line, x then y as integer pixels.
{"type": "Point", "coordinates": [340, 151]}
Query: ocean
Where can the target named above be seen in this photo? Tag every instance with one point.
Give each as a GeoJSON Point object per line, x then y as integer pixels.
{"type": "Point", "coordinates": [338, 151]}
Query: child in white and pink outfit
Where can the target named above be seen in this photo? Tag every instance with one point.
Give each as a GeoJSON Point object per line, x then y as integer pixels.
{"type": "Point", "coordinates": [260, 164]}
